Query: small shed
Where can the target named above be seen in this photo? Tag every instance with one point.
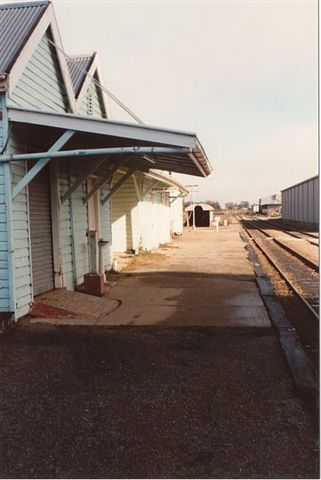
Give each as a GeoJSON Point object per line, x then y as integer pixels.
{"type": "Point", "coordinates": [199, 215]}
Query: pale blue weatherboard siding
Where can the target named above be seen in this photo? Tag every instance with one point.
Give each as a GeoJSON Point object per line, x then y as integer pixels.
{"type": "Point", "coordinates": [105, 221]}
{"type": "Point", "coordinates": [4, 266]}
{"type": "Point", "coordinates": [20, 217]}
{"type": "Point", "coordinates": [92, 104]}
{"type": "Point", "coordinates": [74, 224]}
{"type": "Point", "coordinates": [4, 274]}
{"type": "Point", "coordinates": [41, 84]}
{"type": "Point", "coordinates": [79, 228]}
{"type": "Point", "coordinates": [66, 229]}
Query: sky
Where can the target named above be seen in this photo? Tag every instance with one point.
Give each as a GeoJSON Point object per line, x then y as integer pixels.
{"type": "Point", "coordinates": [241, 74]}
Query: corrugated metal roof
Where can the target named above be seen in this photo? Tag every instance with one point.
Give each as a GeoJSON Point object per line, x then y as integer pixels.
{"type": "Point", "coordinates": [17, 22]}
{"type": "Point", "coordinates": [78, 66]}
{"type": "Point", "coordinates": [301, 183]}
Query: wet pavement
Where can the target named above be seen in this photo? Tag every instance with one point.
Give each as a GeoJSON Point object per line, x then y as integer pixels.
{"type": "Point", "coordinates": [161, 400]}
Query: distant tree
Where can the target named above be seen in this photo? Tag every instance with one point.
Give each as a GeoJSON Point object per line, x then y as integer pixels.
{"type": "Point", "coordinates": [215, 204]}
{"type": "Point", "coordinates": [230, 205]}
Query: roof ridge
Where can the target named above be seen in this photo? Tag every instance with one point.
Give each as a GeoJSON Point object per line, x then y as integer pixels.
{"type": "Point", "coordinates": [6, 6]}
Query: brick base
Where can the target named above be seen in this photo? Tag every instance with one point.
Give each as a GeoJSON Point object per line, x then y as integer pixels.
{"type": "Point", "coordinates": [94, 284]}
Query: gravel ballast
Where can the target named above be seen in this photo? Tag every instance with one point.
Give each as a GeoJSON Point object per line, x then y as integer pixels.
{"type": "Point", "coordinates": [128, 402]}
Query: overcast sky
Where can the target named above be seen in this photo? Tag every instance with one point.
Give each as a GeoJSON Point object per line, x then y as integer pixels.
{"type": "Point", "coordinates": [242, 75]}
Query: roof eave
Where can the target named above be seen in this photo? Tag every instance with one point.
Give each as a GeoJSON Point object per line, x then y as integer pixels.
{"type": "Point", "coordinates": [138, 133]}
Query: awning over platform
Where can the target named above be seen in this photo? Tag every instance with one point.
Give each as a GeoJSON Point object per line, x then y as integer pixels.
{"type": "Point", "coordinates": [184, 153]}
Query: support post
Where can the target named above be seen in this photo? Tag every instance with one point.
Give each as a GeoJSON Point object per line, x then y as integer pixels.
{"type": "Point", "coordinates": [10, 244]}
{"type": "Point", "coordinates": [138, 193]}
{"type": "Point", "coordinates": [55, 222]}
{"type": "Point", "coordinates": [7, 280]}
{"type": "Point", "coordinates": [118, 184]}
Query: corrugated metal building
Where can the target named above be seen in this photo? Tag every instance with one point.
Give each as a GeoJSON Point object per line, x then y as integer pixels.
{"type": "Point", "coordinates": [300, 202]}
{"type": "Point", "coordinates": [59, 153]}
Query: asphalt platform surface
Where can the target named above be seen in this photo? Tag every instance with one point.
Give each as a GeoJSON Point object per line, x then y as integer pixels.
{"type": "Point", "coordinates": [153, 401]}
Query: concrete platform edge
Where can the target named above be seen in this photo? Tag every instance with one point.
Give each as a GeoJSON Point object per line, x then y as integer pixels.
{"type": "Point", "coordinates": [299, 363]}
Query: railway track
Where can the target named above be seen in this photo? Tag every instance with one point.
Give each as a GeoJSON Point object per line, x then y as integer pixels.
{"type": "Point", "coordinates": [300, 273]}
{"type": "Point", "coordinates": [311, 237]}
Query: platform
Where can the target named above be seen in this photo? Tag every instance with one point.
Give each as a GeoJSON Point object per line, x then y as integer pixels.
{"type": "Point", "coordinates": [203, 278]}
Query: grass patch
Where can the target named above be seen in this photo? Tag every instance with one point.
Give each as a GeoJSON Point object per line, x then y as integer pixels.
{"type": "Point", "coordinates": [144, 258]}
{"type": "Point", "coordinates": [166, 246]}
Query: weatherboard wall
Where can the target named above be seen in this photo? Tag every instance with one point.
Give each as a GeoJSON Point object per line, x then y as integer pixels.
{"type": "Point", "coordinates": [106, 230]}
{"type": "Point", "coordinates": [124, 216]}
{"type": "Point", "coordinates": [21, 240]}
{"type": "Point", "coordinates": [65, 227]}
{"type": "Point", "coordinates": [140, 220]}
{"type": "Point", "coordinates": [4, 218]}
{"type": "Point", "coordinates": [92, 104]}
{"type": "Point", "coordinates": [79, 227]}
{"type": "Point", "coordinates": [41, 85]}
{"type": "Point", "coordinates": [176, 213]}
{"type": "Point", "coordinates": [74, 225]}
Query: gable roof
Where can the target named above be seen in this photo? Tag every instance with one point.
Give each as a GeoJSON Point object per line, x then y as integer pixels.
{"type": "Point", "coordinates": [78, 67]}
{"type": "Point", "coordinates": [22, 26]}
{"type": "Point", "coordinates": [17, 22]}
{"type": "Point", "coordinates": [204, 206]}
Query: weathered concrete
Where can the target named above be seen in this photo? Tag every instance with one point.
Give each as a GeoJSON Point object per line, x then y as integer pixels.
{"type": "Point", "coordinates": [154, 299]}
{"type": "Point", "coordinates": [204, 278]}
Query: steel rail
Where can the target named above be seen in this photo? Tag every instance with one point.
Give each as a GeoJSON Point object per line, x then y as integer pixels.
{"type": "Point", "coordinates": [293, 233]}
{"type": "Point", "coordinates": [298, 255]}
{"type": "Point", "coordinates": [283, 275]}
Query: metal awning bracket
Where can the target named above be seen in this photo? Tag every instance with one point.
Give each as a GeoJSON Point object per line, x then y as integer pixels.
{"type": "Point", "coordinates": [30, 175]}
{"type": "Point", "coordinates": [150, 188]}
{"type": "Point", "coordinates": [89, 171]}
{"type": "Point", "coordinates": [118, 184]}
{"type": "Point", "coordinates": [99, 183]}
{"type": "Point", "coordinates": [174, 198]}
{"type": "Point", "coordinates": [87, 152]}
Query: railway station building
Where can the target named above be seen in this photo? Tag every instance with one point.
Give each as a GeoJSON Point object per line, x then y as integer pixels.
{"type": "Point", "coordinates": [271, 205]}
{"type": "Point", "coordinates": [75, 185]}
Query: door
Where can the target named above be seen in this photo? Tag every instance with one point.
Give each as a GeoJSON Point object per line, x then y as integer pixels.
{"type": "Point", "coordinates": [41, 233]}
